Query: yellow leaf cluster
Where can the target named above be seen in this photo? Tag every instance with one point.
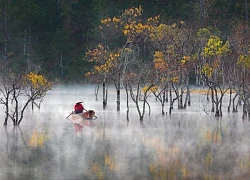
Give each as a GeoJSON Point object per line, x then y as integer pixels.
{"type": "Point", "coordinates": [158, 32]}
{"type": "Point", "coordinates": [110, 63]}
{"type": "Point", "coordinates": [110, 22]}
{"type": "Point", "coordinates": [133, 25]}
{"type": "Point", "coordinates": [153, 20]}
{"type": "Point", "coordinates": [133, 28]}
{"type": "Point", "coordinates": [88, 74]}
{"type": "Point", "coordinates": [244, 61]}
{"type": "Point", "coordinates": [207, 70]}
{"type": "Point", "coordinates": [185, 59]}
{"type": "Point", "coordinates": [215, 46]}
{"type": "Point", "coordinates": [152, 89]}
{"type": "Point", "coordinates": [37, 81]}
{"type": "Point", "coordinates": [174, 25]}
{"type": "Point", "coordinates": [161, 31]}
{"type": "Point", "coordinates": [175, 79]}
{"type": "Point", "coordinates": [182, 22]}
{"type": "Point", "coordinates": [97, 54]}
{"type": "Point", "coordinates": [105, 60]}
{"type": "Point", "coordinates": [133, 12]}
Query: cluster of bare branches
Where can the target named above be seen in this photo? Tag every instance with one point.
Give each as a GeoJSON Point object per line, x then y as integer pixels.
{"type": "Point", "coordinates": [18, 90]}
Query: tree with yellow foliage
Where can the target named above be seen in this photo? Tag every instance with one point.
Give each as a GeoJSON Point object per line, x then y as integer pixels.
{"type": "Point", "coordinates": [161, 68]}
{"type": "Point", "coordinates": [112, 63]}
{"type": "Point", "coordinates": [105, 68]}
{"type": "Point", "coordinates": [214, 70]}
{"type": "Point", "coordinates": [174, 45]}
{"type": "Point", "coordinates": [21, 90]}
{"type": "Point", "coordinates": [142, 35]}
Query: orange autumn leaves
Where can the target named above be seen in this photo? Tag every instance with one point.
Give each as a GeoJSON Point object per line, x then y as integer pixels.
{"type": "Point", "coordinates": [170, 61]}
{"type": "Point", "coordinates": [130, 23]}
{"type": "Point", "coordinates": [159, 62]}
{"type": "Point", "coordinates": [105, 59]}
{"type": "Point", "coordinates": [135, 28]}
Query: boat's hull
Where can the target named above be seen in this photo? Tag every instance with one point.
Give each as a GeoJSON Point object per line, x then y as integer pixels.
{"type": "Point", "coordinates": [82, 118]}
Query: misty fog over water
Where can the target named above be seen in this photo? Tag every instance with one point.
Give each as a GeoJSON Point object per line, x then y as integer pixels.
{"type": "Point", "coordinates": [186, 145]}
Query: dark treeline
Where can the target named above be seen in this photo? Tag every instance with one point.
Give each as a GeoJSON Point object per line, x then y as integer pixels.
{"type": "Point", "coordinates": [52, 36]}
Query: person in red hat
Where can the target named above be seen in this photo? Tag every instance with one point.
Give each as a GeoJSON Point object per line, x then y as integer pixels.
{"type": "Point", "coordinates": [78, 107]}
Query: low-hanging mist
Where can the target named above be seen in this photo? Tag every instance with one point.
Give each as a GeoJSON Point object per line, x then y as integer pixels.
{"type": "Point", "coordinates": [188, 144]}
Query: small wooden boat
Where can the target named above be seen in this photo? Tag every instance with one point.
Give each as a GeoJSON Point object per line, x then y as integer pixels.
{"type": "Point", "coordinates": [82, 118]}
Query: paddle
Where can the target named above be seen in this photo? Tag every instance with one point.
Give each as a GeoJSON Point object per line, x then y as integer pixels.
{"type": "Point", "coordinates": [70, 114]}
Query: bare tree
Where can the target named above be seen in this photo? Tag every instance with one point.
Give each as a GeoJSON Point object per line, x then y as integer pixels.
{"type": "Point", "coordinates": [18, 91]}
{"type": "Point", "coordinates": [139, 86]}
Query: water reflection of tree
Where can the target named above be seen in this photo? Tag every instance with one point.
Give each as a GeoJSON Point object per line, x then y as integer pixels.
{"type": "Point", "coordinates": [15, 153]}
{"type": "Point", "coordinates": [208, 158]}
{"type": "Point", "coordinates": [24, 161]}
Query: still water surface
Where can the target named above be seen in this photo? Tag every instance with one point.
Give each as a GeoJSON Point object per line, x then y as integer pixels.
{"type": "Point", "coordinates": [186, 145]}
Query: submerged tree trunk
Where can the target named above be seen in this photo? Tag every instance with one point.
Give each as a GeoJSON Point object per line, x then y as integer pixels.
{"type": "Point", "coordinates": [189, 96]}
{"type": "Point", "coordinates": [126, 88]}
{"type": "Point", "coordinates": [15, 120]}
{"type": "Point", "coordinates": [244, 109]}
{"type": "Point", "coordinates": [96, 91]}
{"type": "Point", "coordinates": [212, 96]}
{"type": "Point", "coordinates": [23, 110]}
{"type": "Point", "coordinates": [163, 102]}
{"type": "Point", "coordinates": [136, 100]}
{"type": "Point", "coordinates": [220, 103]}
{"type": "Point", "coordinates": [230, 100]}
{"type": "Point", "coordinates": [161, 96]}
{"type": "Point", "coordinates": [216, 102]}
{"type": "Point", "coordinates": [248, 108]}
{"type": "Point", "coordinates": [104, 102]}
{"type": "Point", "coordinates": [118, 92]}
{"type": "Point", "coordinates": [171, 101]}
{"type": "Point", "coordinates": [6, 103]}
{"type": "Point", "coordinates": [181, 106]}
{"type": "Point", "coordinates": [166, 94]}
{"type": "Point", "coordinates": [235, 106]}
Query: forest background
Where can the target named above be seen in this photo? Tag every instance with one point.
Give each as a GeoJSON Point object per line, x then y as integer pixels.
{"type": "Point", "coordinates": [53, 36]}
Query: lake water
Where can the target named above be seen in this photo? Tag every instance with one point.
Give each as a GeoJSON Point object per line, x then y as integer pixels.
{"type": "Point", "coordinates": [186, 145]}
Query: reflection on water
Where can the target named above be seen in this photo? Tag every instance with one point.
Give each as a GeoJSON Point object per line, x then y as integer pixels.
{"type": "Point", "coordinates": [79, 127]}
{"type": "Point", "coordinates": [187, 145]}
{"type": "Point", "coordinates": [37, 139]}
